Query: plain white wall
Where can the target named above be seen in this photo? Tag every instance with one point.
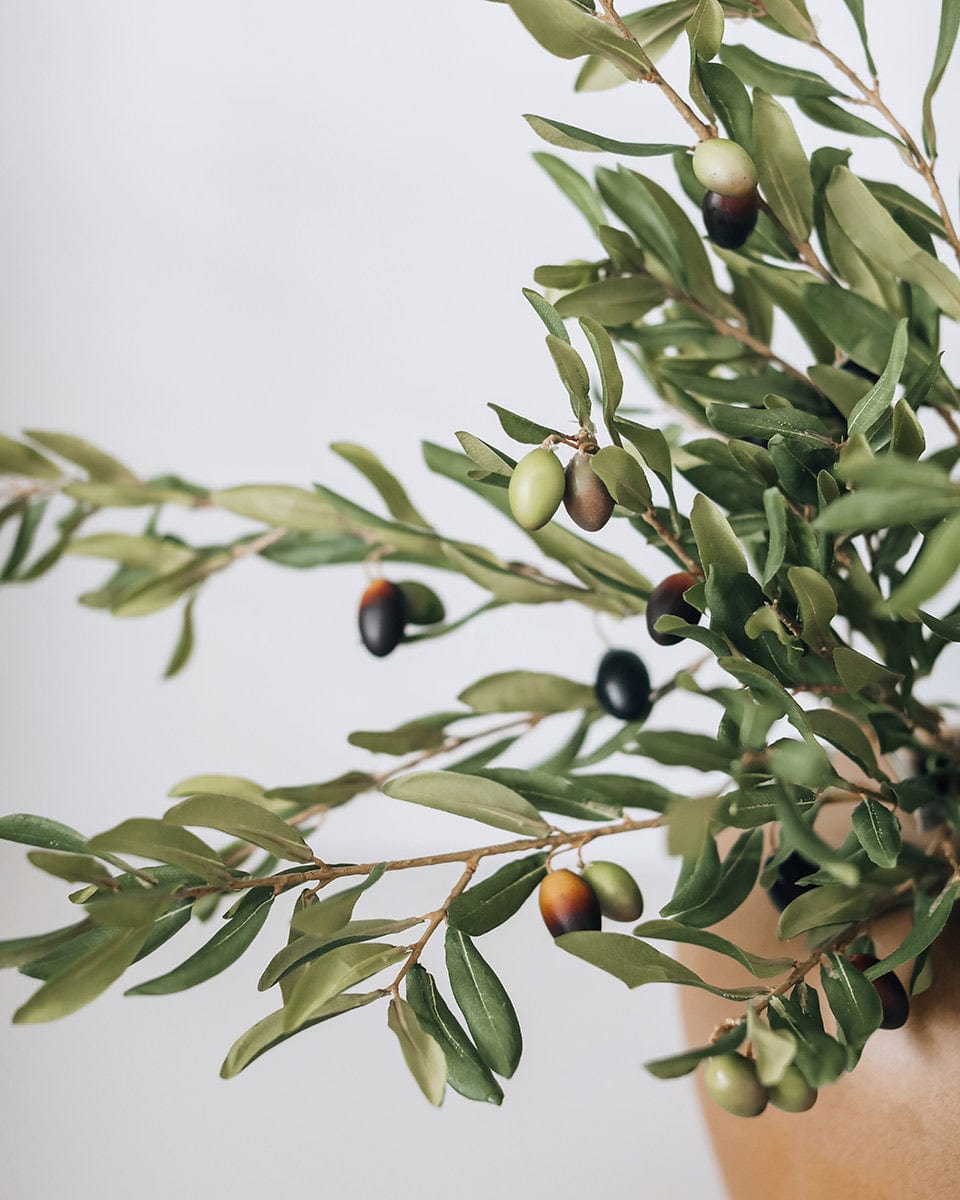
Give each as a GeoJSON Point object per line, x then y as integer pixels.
{"type": "Point", "coordinates": [232, 233]}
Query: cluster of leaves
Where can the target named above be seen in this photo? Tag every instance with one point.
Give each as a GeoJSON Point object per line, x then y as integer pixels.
{"type": "Point", "coordinates": [820, 528]}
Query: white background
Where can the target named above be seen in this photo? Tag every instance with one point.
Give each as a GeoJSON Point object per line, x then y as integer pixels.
{"type": "Point", "coordinates": [230, 234]}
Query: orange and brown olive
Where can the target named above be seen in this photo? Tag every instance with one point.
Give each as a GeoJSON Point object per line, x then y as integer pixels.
{"type": "Point", "coordinates": [382, 617]}
{"type": "Point", "coordinates": [731, 1079]}
{"type": "Point", "coordinates": [892, 993]}
{"type": "Point", "coordinates": [568, 903]}
{"type": "Point", "coordinates": [622, 687]}
{"type": "Point", "coordinates": [666, 599]}
{"type": "Point", "coordinates": [729, 220]}
{"type": "Point", "coordinates": [617, 890]}
{"type": "Point", "coordinates": [585, 497]}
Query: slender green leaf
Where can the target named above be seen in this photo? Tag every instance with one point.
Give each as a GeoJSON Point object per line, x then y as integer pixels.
{"type": "Point", "coordinates": [332, 974]}
{"type": "Point", "coordinates": [396, 499]}
{"type": "Point", "coordinates": [244, 819]}
{"type": "Point", "coordinates": [526, 691]}
{"type": "Point", "coordinates": [574, 187]}
{"type": "Point", "coordinates": [878, 831]}
{"type": "Point", "coordinates": [184, 645]}
{"type": "Point", "coordinates": [635, 963]}
{"type": "Point", "coordinates": [41, 831]}
{"type": "Point", "coordinates": [946, 40]}
{"type": "Point", "coordinates": [159, 840]}
{"type": "Point", "coordinates": [84, 979]}
{"type": "Point", "coordinates": [853, 999]}
{"type": "Point", "coordinates": [270, 1031]}
{"type": "Point", "coordinates": [17, 459]}
{"type": "Point", "coordinates": [470, 796]}
{"type": "Point", "coordinates": [782, 168]}
{"type": "Point", "coordinates": [74, 868]}
{"type": "Point", "coordinates": [831, 904]}
{"type": "Point", "coordinates": [422, 1054]}
{"type": "Point", "coordinates": [682, 1064]}
{"type": "Point", "coordinates": [486, 1007]}
{"type": "Point", "coordinates": [466, 1071]}
{"type": "Point", "coordinates": [15, 952]}
{"type": "Point", "coordinates": [674, 931]}
{"type": "Point", "coordinates": [220, 952]}
{"type": "Point", "coordinates": [332, 914]}
{"type": "Point", "coordinates": [495, 900]}
{"type": "Point", "coordinates": [97, 463]}
{"type": "Point", "coordinates": [779, 79]}
{"type": "Point", "coordinates": [569, 137]}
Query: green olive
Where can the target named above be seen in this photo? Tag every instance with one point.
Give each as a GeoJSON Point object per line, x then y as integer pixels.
{"type": "Point", "coordinates": [620, 898]}
{"type": "Point", "coordinates": [793, 1093]}
{"type": "Point", "coordinates": [536, 488]}
{"type": "Point", "coordinates": [724, 167]}
{"type": "Point", "coordinates": [732, 1081]}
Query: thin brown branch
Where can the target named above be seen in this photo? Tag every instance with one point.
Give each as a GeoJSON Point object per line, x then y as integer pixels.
{"type": "Point", "coordinates": [669, 539]}
{"type": "Point", "coordinates": [436, 920]}
{"type": "Point", "coordinates": [326, 874]}
{"type": "Point", "coordinates": [922, 165]}
{"type": "Point", "coordinates": [700, 128]}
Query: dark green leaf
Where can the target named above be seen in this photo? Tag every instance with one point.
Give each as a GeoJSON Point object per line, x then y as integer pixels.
{"type": "Point", "coordinates": [42, 832]}
{"type": "Point", "coordinates": [485, 1005]}
{"type": "Point", "coordinates": [488, 904]}
{"type": "Point", "coordinates": [555, 794]}
{"type": "Point", "coordinates": [832, 904]}
{"type": "Point", "coordinates": [635, 963]}
{"type": "Point", "coordinates": [322, 919]}
{"type": "Point", "coordinates": [853, 999]}
{"type": "Point", "coordinates": [682, 1064]}
{"type": "Point", "coordinates": [929, 919]}
{"type": "Point", "coordinates": [875, 404]}
{"type": "Point", "coordinates": [569, 137]}
{"type": "Point", "coordinates": [574, 187]}
{"type": "Point", "coordinates": [220, 952]}
{"type": "Point", "coordinates": [878, 831]}
{"type": "Point", "coordinates": [782, 167]}
{"type": "Point", "coordinates": [14, 952]}
{"type": "Point", "coordinates": [466, 1071]}
{"type": "Point", "coordinates": [779, 79]}
{"type": "Point", "coordinates": [74, 868]}
{"type": "Point", "coordinates": [674, 931]}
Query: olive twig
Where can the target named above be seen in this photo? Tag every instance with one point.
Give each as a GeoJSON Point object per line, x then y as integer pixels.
{"type": "Point", "coordinates": [436, 919]}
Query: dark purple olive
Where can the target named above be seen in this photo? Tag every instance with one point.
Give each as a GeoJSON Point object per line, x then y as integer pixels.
{"type": "Point", "coordinates": [382, 617]}
{"type": "Point", "coordinates": [785, 888]}
{"type": "Point", "coordinates": [892, 993]}
{"type": "Point", "coordinates": [623, 685]}
{"type": "Point", "coordinates": [568, 903]}
{"type": "Point", "coordinates": [585, 496]}
{"type": "Point", "coordinates": [666, 599]}
{"type": "Point", "coordinates": [729, 220]}
{"type": "Point", "coordinates": [861, 372]}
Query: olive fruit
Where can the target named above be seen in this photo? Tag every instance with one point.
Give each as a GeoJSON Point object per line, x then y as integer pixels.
{"type": "Point", "coordinates": [732, 1081]}
{"type": "Point", "coordinates": [424, 606]}
{"type": "Point", "coordinates": [536, 488]}
{"type": "Point", "coordinates": [792, 1093]}
{"type": "Point", "coordinates": [785, 888]}
{"type": "Point", "coordinates": [623, 685]}
{"type": "Point", "coordinates": [854, 368]}
{"type": "Point", "coordinates": [620, 897]}
{"type": "Point", "coordinates": [585, 496]}
{"type": "Point", "coordinates": [666, 599]}
{"type": "Point", "coordinates": [724, 167]}
{"type": "Point", "coordinates": [382, 617]}
{"type": "Point", "coordinates": [729, 220]}
{"type": "Point", "coordinates": [568, 903]}
{"type": "Point", "coordinates": [893, 995]}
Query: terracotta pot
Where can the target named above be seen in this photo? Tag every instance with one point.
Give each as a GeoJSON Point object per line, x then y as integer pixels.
{"type": "Point", "coordinates": [886, 1131]}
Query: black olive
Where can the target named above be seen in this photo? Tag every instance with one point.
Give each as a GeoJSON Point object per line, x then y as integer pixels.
{"type": "Point", "coordinates": [785, 888]}
{"type": "Point", "coordinates": [893, 995]}
{"type": "Point", "coordinates": [729, 220]}
{"type": "Point", "coordinates": [623, 685]}
{"type": "Point", "coordinates": [382, 617]}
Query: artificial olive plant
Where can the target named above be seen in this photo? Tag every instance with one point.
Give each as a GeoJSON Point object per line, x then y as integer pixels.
{"type": "Point", "coordinates": [807, 532]}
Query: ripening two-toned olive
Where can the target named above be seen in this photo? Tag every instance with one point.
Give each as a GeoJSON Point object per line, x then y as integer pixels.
{"type": "Point", "coordinates": [568, 903]}
{"type": "Point", "coordinates": [382, 617]}
{"type": "Point", "coordinates": [785, 887]}
{"type": "Point", "coordinates": [585, 497]}
{"type": "Point", "coordinates": [536, 488]}
{"type": "Point", "coordinates": [729, 220]}
{"type": "Point", "coordinates": [666, 599]}
{"type": "Point", "coordinates": [620, 897]}
{"type": "Point", "coordinates": [623, 685]}
{"type": "Point", "coordinates": [732, 1082]}
{"type": "Point", "coordinates": [792, 1094]}
{"type": "Point", "coordinates": [892, 993]}
{"type": "Point", "coordinates": [724, 167]}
